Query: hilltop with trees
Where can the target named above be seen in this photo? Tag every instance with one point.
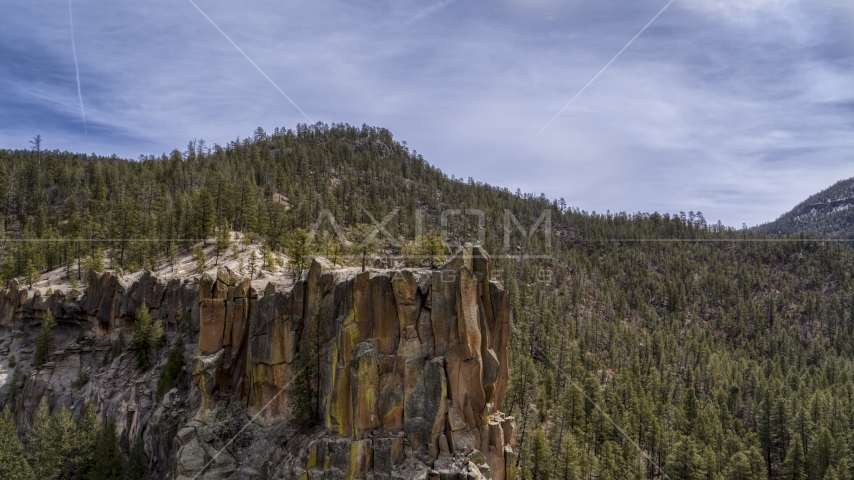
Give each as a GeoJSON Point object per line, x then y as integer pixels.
{"type": "Point", "coordinates": [643, 345]}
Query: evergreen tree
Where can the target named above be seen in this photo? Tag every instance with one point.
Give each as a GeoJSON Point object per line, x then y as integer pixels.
{"type": "Point", "coordinates": [794, 468]}
{"type": "Point", "coordinates": [44, 460]}
{"type": "Point", "coordinates": [298, 253]}
{"type": "Point", "coordinates": [147, 335]}
{"type": "Point", "coordinates": [540, 464]}
{"type": "Point", "coordinates": [204, 215]}
{"type": "Point", "coordinates": [85, 439]}
{"type": "Point", "coordinates": [12, 390]}
{"type": "Point", "coordinates": [136, 463]}
{"type": "Point", "coordinates": [44, 339]}
{"type": "Point", "coordinates": [32, 273]}
{"type": "Point", "coordinates": [223, 241]}
{"type": "Point", "coordinates": [108, 462]}
{"type": "Point", "coordinates": [685, 461]}
{"type": "Point", "coordinates": [201, 259]}
{"type": "Point", "coordinates": [13, 464]}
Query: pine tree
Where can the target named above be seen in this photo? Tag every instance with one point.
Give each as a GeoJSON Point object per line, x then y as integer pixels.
{"type": "Point", "coordinates": [830, 474]}
{"type": "Point", "coordinates": [44, 339]}
{"type": "Point", "coordinates": [432, 250]}
{"type": "Point", "coordinates": [223, 241]}
{"type": "Point", "coordinates": [108, 462]}
{"type": "Point", "coordinates": [567, 467]}
{"type": "Point", "coordinates": [12, 390]}
{"type": "Point", "coordinates": [268, 262]}
{"type": "Point", "coordinates": [201, 259]}
{"type": "Point", "coordinates": [147, 335]}
{"type": "Point", "coordinates": [61, 444]}
{"type": "Point", "coordinates": [85, 438]}
{"type": "Point", "coordinates": [823, 453]}
{"type": "Point", "coordinates": [298, 254]}
{"type": "Point", "coordinates": [540, 464]}
{"type": "Point", "coordinates": [13, 464]}
{"type": "Point", "coordinates": [45, 462]}
{"type": "Point", "coordinates": [136, 463]}
{"type": "Point", "coordinates": [685, 461]}
{"type": "Point", "coordinates": [253, 264]}
{"type": "Point", "coordinates": [32, 273]}
{"type": "Point", "coordinates": [204, 215]}
{"type": "Point", "coordinates": [794, 467]}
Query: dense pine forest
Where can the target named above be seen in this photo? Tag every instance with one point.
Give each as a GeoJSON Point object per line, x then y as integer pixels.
{"type": "Point", "coordinates": [644, 346]}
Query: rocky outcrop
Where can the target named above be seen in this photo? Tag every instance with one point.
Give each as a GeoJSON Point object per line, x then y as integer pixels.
{"type": "Point", "coordinates": [405, 371]}
{"type": "Point", "coordinates": [89, 326]}
{"type": "Point", "coordinates": [411, 363]}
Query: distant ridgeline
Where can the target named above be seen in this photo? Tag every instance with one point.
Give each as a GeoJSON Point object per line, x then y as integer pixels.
{"type": "Point", "coordinates": [827, 215]}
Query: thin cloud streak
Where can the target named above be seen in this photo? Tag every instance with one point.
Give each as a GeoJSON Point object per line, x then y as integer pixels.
{"type": "Point", "coordinates": [252, 62]}
{"type": "Point", "coordinates": [77, 68]}
{"type": "Point", "coordinates": [604, 68]}
{"type": "Point", "coordinates": [429, 11]}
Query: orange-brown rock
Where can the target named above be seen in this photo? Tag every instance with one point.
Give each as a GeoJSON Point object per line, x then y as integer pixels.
{"type": "Point", "coordinates": [409, 367]}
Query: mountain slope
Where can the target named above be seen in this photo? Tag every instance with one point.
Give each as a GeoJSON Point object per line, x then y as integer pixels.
{"type": "Point", "coordinates": [641, 345]}
{"type": "Point", "coordinates": [827, 214]}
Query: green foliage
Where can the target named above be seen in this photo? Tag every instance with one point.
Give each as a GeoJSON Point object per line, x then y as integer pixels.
{"type": "Point", "coordinates": [432, 251]}
{"type": "Point", "coordinates": [59, 448]}
{"type": "Point", "coordinates": [201, 259]}
{"type": "Point", "coordinates": [223, 241]}
{"type": "Point", "coordinates": [173, 373]}
{"type": "Point", "coordinates": [710, 348]}
{"type": "Point", "coordinates": [88, 430]}
{"type": "Point", "coordinates": [108, 462]}
{"type": "Point", "coordinates": [298, 253]}
{"type": "Point", "coordinates": [147, 336]}
{"type": "Point", "coordinates": [32, 273]}
{"type": "Point", "coordinates": [541, 466]}
{"type": "Point", "coordinates": [48, 442]}
{"type": "Point", "coordinates": [13, 464]}
{"type": "Point", "coordinates": [81, 380]}
{"type": "Point", "coordinates": [44, 339]}
{"type": "Point", "coordinates": [268, 261]}
{"type": "Point", "coordinates": [794, 467]}
{"type": "Point", "coordinates": [94, 263]}
{"type": "Point", "coordinates": [136, 463]}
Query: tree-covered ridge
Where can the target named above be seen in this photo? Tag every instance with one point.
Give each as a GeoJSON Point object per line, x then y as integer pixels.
{"type": "Point", "coordinates": [268, 185]}
{"type": "Point", "coordinates": [719, 358]}
{"type": "Point", "coordinates": [826, 214]}
{"type": "Point", "coordinates": [716, 353]}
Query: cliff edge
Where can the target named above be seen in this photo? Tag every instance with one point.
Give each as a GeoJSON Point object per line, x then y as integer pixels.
{"type": "Point", "coordinates": [374, 374]}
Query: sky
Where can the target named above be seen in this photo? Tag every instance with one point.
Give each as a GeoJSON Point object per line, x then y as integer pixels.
{"type": "Point", "coordinates": [739, 109]}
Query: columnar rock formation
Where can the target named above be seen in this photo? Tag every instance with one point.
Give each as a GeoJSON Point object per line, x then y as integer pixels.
{"type": "Point", "coordinates": [409, 364]}
{"type": "Point", "coordinates": [407, 369]}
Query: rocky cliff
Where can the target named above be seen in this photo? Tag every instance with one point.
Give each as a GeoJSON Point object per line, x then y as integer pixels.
{"type": "Point", "coordinates": [403, 371]}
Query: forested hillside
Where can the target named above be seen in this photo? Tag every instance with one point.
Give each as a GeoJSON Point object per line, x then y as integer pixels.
{"type": "Point", "coordinates": [826, 214]}
{"type": "Point", "coordinates": [643, 346]}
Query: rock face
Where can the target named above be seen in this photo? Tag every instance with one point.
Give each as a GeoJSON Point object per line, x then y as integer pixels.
{"type": "Point", "coordinates": [408, 367]}
{"type": "Point", "coordinates": [405, 370]}
{"type": "Point", "coordinates": [89, 326]}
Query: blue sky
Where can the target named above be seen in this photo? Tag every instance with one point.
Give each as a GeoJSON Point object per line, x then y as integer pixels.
{"type": "Point", "coordinates": [736, 108]}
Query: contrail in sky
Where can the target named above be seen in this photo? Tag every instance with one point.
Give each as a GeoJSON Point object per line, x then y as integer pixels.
{"type": "Point", "coordinates": [250, 61]}
{"type": "Point", "coordinates": [77, 68]}
{"type": "Point", "coordinates": [605, 67]}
